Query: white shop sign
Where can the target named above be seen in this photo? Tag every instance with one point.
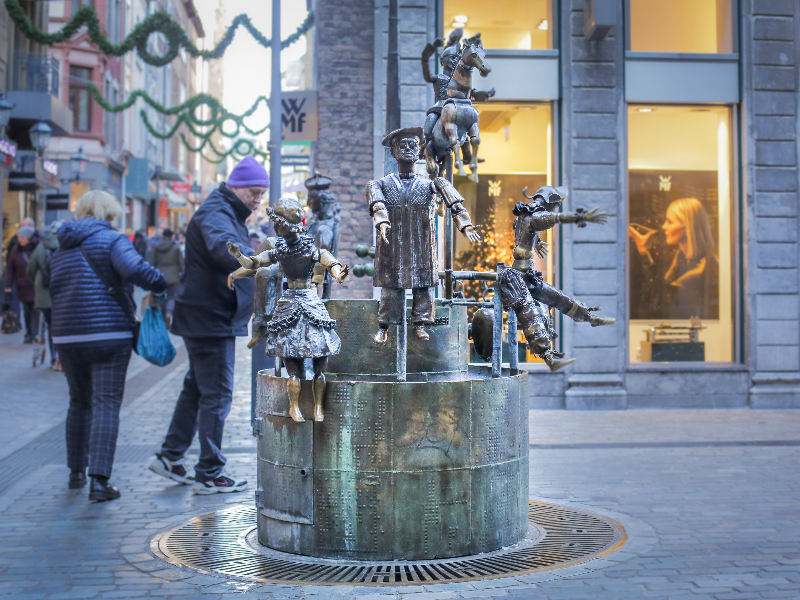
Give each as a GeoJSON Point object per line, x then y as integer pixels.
{"type": "Point", "coordinates": [299, 116]}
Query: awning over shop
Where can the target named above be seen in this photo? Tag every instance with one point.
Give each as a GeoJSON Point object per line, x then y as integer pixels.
{"type": "Point", "coordinates": [175, 200]}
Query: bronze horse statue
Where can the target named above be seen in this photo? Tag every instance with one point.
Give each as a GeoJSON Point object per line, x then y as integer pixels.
{"type": "Point", "coordinates": [457, 124]}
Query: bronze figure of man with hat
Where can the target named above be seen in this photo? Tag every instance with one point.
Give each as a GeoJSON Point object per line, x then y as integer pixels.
{"type": "Point", "coordinates": [402, 207]}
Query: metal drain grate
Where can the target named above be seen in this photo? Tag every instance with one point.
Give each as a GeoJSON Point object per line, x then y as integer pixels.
{"type": "Point", "coordinates": [216, 543]}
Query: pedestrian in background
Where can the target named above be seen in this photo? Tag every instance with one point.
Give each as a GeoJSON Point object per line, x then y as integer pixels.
{"type": "Point", "coordinates": [140, 243]}
{"type": "Point", "coordinates": [91, 284]}
{"type": "Point", "coordinates": [209, 315]}
{"type": "Point", "coordinates": [39, 272]}
{"type": "Point", "coordinates": [167, 257]}
{"type": "Point", "coordinates": [17, 275]}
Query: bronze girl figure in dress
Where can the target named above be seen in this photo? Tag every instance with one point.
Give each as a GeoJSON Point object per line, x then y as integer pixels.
{"type": "Point", "coordinates": [300, 327]}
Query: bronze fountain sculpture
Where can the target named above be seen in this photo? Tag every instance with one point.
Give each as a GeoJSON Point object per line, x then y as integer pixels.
{"type": "Point", "coordinates": [453, 122]}
{"type": "Point", "coordinates": [448, 60]}
{"type": "Point", "coordinates": [300, 326]}
{"type": "Point", "coordinates": [522, 288]}
{"type": "Point", "coordinates": [325, 226]}
{"type": "Point", "coordinates": [420, 454]}
{"type": "Point", "coordinates": [402, 207]}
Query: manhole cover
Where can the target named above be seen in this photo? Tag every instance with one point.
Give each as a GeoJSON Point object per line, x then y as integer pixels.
{"type": "Point", "coordinates": [223, 543]}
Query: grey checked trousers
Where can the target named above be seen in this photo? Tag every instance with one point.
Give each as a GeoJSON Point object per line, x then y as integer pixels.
{"type": "Point", "coordinates": [96, 379]}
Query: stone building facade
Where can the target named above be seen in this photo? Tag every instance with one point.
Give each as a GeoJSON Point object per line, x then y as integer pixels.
{"type": "Point", "coordinates": [632, 122]}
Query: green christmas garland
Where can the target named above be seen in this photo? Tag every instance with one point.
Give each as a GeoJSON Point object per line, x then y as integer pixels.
{"type": "Point", "coordinates": [160, 22]}
{"type": "Point", "coordinates": [187, 111]}
{"type": "Point", "coordinates": [187, 114]}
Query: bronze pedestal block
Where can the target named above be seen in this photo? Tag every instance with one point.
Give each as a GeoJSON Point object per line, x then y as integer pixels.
{"type": "Point", "coordinates": [432, 467]}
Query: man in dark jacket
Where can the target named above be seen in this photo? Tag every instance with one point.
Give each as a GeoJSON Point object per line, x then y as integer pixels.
{"type": "Point", "coordinates": [209, 316]}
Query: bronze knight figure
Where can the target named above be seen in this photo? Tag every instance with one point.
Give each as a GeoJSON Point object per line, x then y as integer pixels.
{"type": "Point", "coordinates": [402, 207]}
{"type": "Point", "coordinates": [300, 326]}
{"type": "Point", "coordinates": [448, 60]}
{"type": "Point", "coordinates": [522, 288]}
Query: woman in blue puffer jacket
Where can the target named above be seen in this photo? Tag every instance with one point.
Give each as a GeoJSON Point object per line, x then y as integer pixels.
{"type": "Point", "coordinates": [93, 333]}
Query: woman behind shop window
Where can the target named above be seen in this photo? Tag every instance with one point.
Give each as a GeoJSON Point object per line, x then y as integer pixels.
{"type": "Point", "coordinates": [689, 286]}
{"type": "Point", "coordinates": [93, 332]}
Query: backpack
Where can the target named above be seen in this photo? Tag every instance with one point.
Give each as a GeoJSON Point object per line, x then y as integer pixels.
{"type": "Point", "coordinates": [48, 255]}
{"type": "Point", "coordinates": [11, 323]}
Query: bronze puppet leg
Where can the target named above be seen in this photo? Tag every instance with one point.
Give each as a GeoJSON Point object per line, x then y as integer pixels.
{"type": "Point", "coordinates": [533, 319]}
{"type": "Point", "coordinates": [422, 311]}
{"type": "Point", "coordinates": [389, 311]}
{"type": "Point", "coordinates": [318, 386]}
{"type": "Point", "coordinates": [294, 366]}
{"type": "Point", "coordinates": [475, 142]}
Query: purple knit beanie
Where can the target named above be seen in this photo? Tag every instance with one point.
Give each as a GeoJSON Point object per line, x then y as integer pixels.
{"type": "Point", "coordinates": [248, 173]}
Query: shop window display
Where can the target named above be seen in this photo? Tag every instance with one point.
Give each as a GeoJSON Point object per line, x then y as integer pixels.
{"type": "Point", "coordinates": [503, 24]}
{"type": "Point", "coordinates": [516, 140]}
{"type": "Point", "coordinates": [680, 277]}
{"type": "Point", "coordinates": [681, 26]}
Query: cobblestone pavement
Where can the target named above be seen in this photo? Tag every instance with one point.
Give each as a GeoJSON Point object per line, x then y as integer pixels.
{"type": "Point", "coordinates": [710, 500]}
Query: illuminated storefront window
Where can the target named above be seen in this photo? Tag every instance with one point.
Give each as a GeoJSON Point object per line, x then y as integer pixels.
{"type": "Point", "coordinates": [679, 191]}
{"type": "Point", "coordinates": [690, 26]}
{"type": "Point", "coordinates": [503, 24]}
{"type": "Point", "coordinates": [516, 141]}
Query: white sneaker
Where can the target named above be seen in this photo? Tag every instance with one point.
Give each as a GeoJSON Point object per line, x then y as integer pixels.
{"type": "Point", "coordinates": [221, 484]}
{"type": "Point", "coordinates": [171, 469]}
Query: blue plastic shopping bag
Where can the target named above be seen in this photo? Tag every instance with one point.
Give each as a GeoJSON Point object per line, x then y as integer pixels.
{"type": "Point", "coordinates": [154, 344]}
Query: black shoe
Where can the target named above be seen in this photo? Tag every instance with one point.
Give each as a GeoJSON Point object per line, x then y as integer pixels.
{"type": "Point", "coordinates": [28, 340]}
{"type": "Point", "coordinates": [100, 490]}
{"type": "Point", "coordinates": [77, 479]}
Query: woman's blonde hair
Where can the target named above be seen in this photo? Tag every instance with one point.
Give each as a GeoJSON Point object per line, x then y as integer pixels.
{"type": "Point", "coordinates": [98, 204]}
{"type": "Point", "coordinates": [694, 217]}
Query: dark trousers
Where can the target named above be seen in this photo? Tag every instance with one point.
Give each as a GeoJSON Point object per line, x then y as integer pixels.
{"type": "Point", "coordinates": [203, 404]}
{"type": "Point", "coordinates": [27, 319]}
{"type": "Point", "coordinates": [96, 379]}
{"type": "Point", "coordinates": [391, 306]}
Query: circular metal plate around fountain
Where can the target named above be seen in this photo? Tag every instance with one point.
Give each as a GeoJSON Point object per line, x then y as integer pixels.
{"type": "Point", "coordinates": [225, 543]}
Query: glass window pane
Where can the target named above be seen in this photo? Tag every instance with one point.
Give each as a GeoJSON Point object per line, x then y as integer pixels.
{"type": "Point", "coordinates": [516, 141]}
{"type": "Point", "coordinates": [83, 110]}
{"type": "Point", "coordinates": [508, 24]}
{"type": "Point", "coordinates": [680, 276]}
{"type": "Point", "coordinates": [693, 26]}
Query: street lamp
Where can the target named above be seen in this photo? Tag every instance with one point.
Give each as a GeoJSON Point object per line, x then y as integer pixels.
{"type": "Point", "coordinates": [5, 111]}
{"type": "Point", "coordinates": [78, 163]}
{"type": "Point", "coordinates": [40, 136]}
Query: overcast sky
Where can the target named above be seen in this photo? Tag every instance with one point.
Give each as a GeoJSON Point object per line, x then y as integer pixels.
{"type": "Point", "coordinates": [246, 63]}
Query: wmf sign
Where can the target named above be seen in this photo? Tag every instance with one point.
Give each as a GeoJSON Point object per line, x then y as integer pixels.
{"type": "Point", "coordinates": [299, 116]}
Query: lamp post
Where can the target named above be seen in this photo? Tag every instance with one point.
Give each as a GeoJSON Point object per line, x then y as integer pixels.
{"type": "Point", "coordinates": [40, 136]}
{"type": "Point", "coordinates": [40, 140]}
{"type": "Point", "coordinates": [78, 163]}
